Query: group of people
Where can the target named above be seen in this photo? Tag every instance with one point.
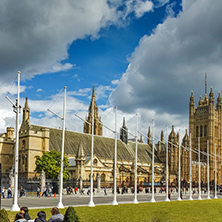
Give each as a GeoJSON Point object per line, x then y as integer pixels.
{"type": "Point", "coordinates": [46, 191]}
{"type": "Point", "coordinates": [71, 190]}
{"type": "Point", "coordinates": [3, 191]}
{"type": "Point", "coordinates": [23, 215]}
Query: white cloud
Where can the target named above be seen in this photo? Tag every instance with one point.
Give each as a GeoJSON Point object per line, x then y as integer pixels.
{"type": "Point", "coordinates": [171, 62]}
{"type": "Point", "coordinates": [142, 7]}
{"type": "Point", "coordinates": [39, 90]}
{"type": "Point", "coordinates": [115, 82]}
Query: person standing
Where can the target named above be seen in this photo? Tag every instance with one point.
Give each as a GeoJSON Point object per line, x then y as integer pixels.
{"type": "Point", "coordinates": [105, 191]}
{"type": "Point", "coordinates": [3, 192]}
{"type": "Point", "coordinates": [38, 192]}
{"type": "Point", "coordinates": [9, 192]}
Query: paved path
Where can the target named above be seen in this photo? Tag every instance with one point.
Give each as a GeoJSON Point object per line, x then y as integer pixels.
{"type": "Point", "coordinates": [83, 200]}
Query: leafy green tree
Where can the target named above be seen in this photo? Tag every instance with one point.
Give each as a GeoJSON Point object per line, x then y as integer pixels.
{"type": "Point", "coordinates": [4, 216]}
{"type": "Point", "coordinates": [50, 162]}
{"type": "Point", "coordinates": [71, 215]}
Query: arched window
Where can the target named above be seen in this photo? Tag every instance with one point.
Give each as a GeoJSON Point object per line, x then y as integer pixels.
{"type": "Point", "coordinates": [197, 131]}
{"type": "Point", "coordinates": [103, 176]}
{"type": "Point", "coordinates": [201, 131]}
{"type": "Point", "coordinates": [205, 130]}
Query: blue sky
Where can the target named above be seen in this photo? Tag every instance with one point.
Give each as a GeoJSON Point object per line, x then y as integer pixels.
{"type": "Point", "coordinates": [142, 56]}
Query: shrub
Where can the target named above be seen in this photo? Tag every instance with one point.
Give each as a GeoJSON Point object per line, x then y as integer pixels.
{"type": "Point", "coordinates": [4, 216]}
{"type": "Point", "coordinates": [71, 215]}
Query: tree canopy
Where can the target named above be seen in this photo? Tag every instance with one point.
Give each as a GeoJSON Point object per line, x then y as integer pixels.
{"type": "Point", "coordinates": [50, 162]}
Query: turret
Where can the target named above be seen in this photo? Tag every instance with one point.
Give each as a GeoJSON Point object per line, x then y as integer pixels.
{"type": "Point", "coordinates": [149, 137]}
{"type": "Point", "coordinates": [219, 104]}
{"type": "Point", "coordinates": [211, 97]}
{"type": "Point", "coordinates": [26, 112]}
{"type": "Point", "coordinates": [191, 105]}
{"type": "Point", "coordinates": [124, 132]}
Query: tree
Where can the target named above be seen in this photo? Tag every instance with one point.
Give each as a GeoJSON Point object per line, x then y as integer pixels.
{"type": "Point", "coordinates": [50, 162]}
{"type": "Point", "coordinates": [4, 216]}
{"type": "Point", "coordinates": [71, 215]}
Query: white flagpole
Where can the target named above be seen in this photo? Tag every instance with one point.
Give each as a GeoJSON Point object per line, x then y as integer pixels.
{"type": "Point", "coordinates": [115, 161]}
{"type": "Point", "coordinates": [208, 177]}
{"type": "Point", "coordinates": [179, 198]}
{"type": "Point", "coordinates": [199, 197]}
{"type": "Point", "coordinates": [91, 203]}
{"type": "Point", "coordinates": [60, 204]}
{"type": "Point", "coordinates": [152, 199]}
{"type": "Point", "coordinates": [135, 201]}
{"type": "Point", "coordinates": [190, 198]}
{"type": "Point", "coordinates": [215, 175]}
{"type": "Point", "coordinates": [167, 170]}
{"type": "Point", "coordinates": [15, 206]}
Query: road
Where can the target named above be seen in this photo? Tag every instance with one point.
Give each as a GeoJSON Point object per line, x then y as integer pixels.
{"type": "Point", "coordinates": [83, 200]}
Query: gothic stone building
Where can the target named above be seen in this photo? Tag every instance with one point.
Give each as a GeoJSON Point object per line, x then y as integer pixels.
{"type": "Point", "coordinates": [204, 123]}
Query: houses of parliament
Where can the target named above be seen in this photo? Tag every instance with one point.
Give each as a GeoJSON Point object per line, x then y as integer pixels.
{"type": "Point", "coordinates": [205, 124]}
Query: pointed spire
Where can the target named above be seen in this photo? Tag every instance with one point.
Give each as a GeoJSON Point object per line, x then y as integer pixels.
{"type": "Point", "coordinates": [219, 98]}
{"type": "Point", "coordinates": [124, 123]}
{"type": "Point", "coordinates": [200, 101]}
{"type": "Point", "coordinates": [93, 92]}
{"type": "Point", "coordinates": [149, 136]}
{"type": "Point", "coordinates": [141, 139]}
{"type": "Point", "coordinates": [26, 103]}
{"type": "Point", "coordinates": [162, 136]}
{"type": "Point", "coordinates": [80, 152]}
{"type": "Point", "coordinates": [211, 94]}
{"type": "Point", "coordinates": [191, 97]}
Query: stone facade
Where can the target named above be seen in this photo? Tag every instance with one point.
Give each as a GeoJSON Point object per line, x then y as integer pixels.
{"type": "Point", "coordinates": [204, 125]}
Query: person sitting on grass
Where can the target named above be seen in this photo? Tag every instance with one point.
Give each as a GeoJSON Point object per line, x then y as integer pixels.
{"type": "Point", "coordinates": [19, 217]}
{"type": "Point", "coordinates": [24, 211]}
{"type": "Point", "coordinates": [56, 216]}
{"type": "Point", "coordinates": [41, 217]}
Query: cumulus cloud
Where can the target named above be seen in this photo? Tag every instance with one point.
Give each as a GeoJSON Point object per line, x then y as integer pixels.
{"type": "Point", "coordinates": [171, 62]}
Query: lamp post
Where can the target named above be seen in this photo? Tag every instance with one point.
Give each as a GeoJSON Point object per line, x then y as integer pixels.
{"type": "Point", "coordinates": [152, 199]}
{"type": "Point", "coordinates": [167, 170]}
{"type": "Point", "coordinates": [179, 198]}
{"type": "Point", "coordinates": [91, 203]}
{"type": "Point", "coordinates": [199, 197]}
{"type": "Point", "coordinates": [60, 204]}
{"type": "Point", "coordinates": [190, 198]}
{"type": "Point", "coordinates": [215, 174]}
{"type": "Point", "coordinates": [16, 109]}
{"type": "Point", "coordinates": [115, 161]}
{"type": "Point", "coordinates": [135, 201]}
{"type": "Point", "coordinates": [208, 176]}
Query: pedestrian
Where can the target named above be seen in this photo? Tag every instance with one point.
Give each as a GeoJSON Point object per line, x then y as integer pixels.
{"type": "Point", "coordinates": [9, 192]}
{"type": "Point", "coordinates": [105, 191]}
{"type": "Point", "coordinates": [67, 190]}
{"type": "Point", "coordinates": [21, 191]}
{"type": "Point", "coordinates": [3, 192]}
{"type": "Point", "coordinates": [76, 189]}
{"type": "Point", "coordinates": [88, 191]}
{"type": "Point", "coordinates": [50, 192]}
{"type": "Point", "coordinates": [38, 192]}
{"type": "Point", "coordinates": [24, 211]}
{"type": "Point", "coordinates": [44, 191]}
{"type": "Point", "coordinates": [56, 216]}
{"type": "Point", "coordinates": [41, 217]}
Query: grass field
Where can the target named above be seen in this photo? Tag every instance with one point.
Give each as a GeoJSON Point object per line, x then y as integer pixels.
{"type": "Point", "coordinates": [205, 210]}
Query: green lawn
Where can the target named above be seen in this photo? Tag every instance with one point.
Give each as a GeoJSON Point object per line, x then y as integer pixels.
{"type": "Point", "coordinates": [205, 210]}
